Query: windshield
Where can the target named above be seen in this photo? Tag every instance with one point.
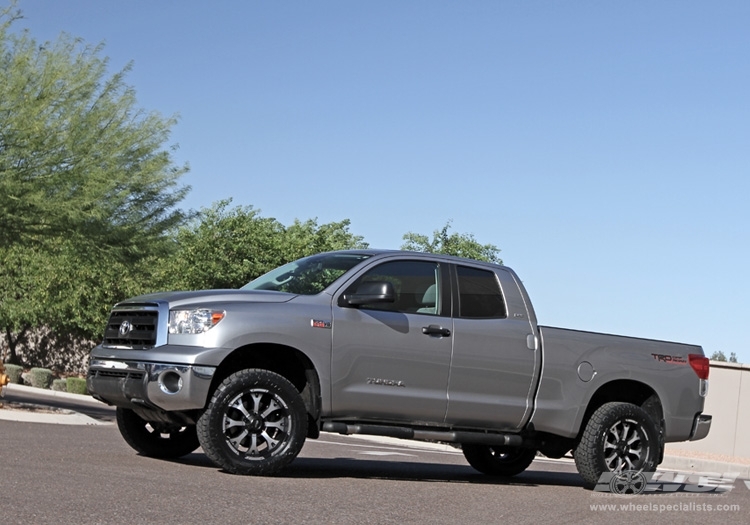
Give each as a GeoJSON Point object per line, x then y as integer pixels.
{"type": "Point", "coordinates": [307, 276]}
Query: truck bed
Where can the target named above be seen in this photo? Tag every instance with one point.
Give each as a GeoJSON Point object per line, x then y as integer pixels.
{"type": "Point", "coordinates": [576, 363]}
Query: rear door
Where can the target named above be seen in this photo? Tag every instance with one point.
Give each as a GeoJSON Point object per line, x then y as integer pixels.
{"type": "Point", "coordinates": [494, 361]}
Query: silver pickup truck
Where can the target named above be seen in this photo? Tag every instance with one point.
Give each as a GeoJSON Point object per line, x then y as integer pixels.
{"type": "Point", "coordinates": [409, 345]}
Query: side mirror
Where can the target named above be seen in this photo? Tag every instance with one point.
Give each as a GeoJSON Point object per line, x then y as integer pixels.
{"type": "Point", "coordinates": [372, 292]}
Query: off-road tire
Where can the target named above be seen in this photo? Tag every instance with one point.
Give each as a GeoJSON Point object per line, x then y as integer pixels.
{"type": "Point", "coordinates": [156, 440]}
{"type": "Point", "coordinates": [498, 460]}
{"type": "Point", "coordinates": [255, 423]}
{"type": "Point", "coordinates": [618, 437]}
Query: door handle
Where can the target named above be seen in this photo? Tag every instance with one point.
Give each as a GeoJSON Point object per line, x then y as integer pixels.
{"type": "Point", "coordinates": [434, 329]}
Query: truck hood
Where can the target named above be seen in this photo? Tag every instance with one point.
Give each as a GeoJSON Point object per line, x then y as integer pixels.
{"type": "Point", "coordinates": [211, 296]}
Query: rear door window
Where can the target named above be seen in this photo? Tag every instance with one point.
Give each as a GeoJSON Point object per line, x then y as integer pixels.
{"type": "Point", "coordinates": [479, 294]}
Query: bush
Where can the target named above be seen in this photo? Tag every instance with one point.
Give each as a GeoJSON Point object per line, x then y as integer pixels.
{"type": "Point", "coordinates": [40, 377]}
{"type": "Point", "coordinates": [76, 385]}
{"type": "Point", "coordinates": [59, 385]}
{"type": "Point", "coordinates": [44, 348]}
{"type": "Point", "coordinates": [14, 373]}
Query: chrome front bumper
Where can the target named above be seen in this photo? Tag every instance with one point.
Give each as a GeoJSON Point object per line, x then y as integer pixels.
{"type": "Point", "coordinates": [163, 386]}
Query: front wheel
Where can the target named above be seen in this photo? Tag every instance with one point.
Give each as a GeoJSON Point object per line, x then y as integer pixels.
{"type": "Point", "coordinates": [255, 424]}
{"type": "Point", "coordinates": [618, 437]}
{"type": "Point", "coordinates": [498, 460]}
{"type": "Point", "coordinates": [156, 440]}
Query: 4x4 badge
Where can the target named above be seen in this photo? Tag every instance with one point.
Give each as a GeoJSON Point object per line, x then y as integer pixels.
{"type": "Point", "coordinates": [125, 328]}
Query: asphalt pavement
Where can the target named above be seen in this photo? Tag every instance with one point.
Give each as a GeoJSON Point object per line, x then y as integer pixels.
{"type": "Point", "coordinates": [29, 404]}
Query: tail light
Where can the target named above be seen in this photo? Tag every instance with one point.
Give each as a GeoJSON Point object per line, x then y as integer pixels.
{"type": "Point", "coordinates": [699, 364]}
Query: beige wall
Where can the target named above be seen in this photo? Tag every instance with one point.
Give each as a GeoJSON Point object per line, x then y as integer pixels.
{"type": "Point", "coordinates": [728, 401]}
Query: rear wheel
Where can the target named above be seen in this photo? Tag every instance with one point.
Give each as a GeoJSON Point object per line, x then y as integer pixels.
{"type": "Point", "coordinates": [255, 424]}
{"type": "Point", "coordinates": [156, 440]}
{"type": "Point", "coordinates": [498, 460]}
{"type": "Point", "coordinates": [619, 437]}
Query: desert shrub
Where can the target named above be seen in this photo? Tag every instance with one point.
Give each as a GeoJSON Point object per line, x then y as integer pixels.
{"type": "Point", "coordinates": [14, 373]}
{"type": "Point", "coordinates": [40, 377]}
{"type": "Point", "coordinates": [76, 385]}
{"type": "Point", "coordinates": [59, 385]}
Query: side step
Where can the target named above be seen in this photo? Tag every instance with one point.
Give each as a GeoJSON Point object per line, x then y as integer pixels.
{"type": "Point", "coordinates": [446, 436]}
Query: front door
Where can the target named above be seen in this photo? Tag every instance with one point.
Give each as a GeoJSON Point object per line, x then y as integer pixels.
{"type": "Point", "coordinates": [384, 366]}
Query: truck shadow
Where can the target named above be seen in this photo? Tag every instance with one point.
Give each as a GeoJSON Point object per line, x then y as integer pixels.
{"type": "Point", "coordinates": [422, 472]}
{"type": "Point", "coordinates": [333, 468]}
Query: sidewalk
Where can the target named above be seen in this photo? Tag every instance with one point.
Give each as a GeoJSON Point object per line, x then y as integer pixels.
{"type": "Point", "coordinates": [692, 461]}
{"type": "Point", "coordinates": [675, 459]}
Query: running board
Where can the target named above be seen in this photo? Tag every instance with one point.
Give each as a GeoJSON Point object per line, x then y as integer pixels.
{"type": "Point", "coordinates": [449, 436]}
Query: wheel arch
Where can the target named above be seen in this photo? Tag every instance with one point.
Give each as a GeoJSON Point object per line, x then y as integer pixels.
{"type": "Point", "coordinates": [626, 391]}
{"type": "Point", "coordinates": [284, 360]}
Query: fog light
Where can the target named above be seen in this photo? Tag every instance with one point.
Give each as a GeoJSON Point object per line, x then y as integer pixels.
{"type": "Point", "coordinates": [170, 382]}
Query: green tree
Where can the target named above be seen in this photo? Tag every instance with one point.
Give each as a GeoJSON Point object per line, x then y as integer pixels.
{"type": "Point", "coordinates": [78, 158]}
{"type": "Point", "coordinates": [719, 356]}
{"type": "Point", "coordinates": [56, 286]}
{"type": "Point", "coordinates": [88, 190]}
{"type": "Point", "coordinates": [307, 238]}
{"type": "Point", "coordinates": [458, 244]}
{"type": "Point", "coordinates": [227, 247]}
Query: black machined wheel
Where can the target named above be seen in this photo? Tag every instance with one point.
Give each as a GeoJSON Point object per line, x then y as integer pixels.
{"type": "Point", "coordinates": [156, 440]}
{"type": "Point", "coordinates": [255, 424]}
{"type": "Point", "coordinates": [619, 437]}
{"type": "Point", "coordinates": [498, 460]}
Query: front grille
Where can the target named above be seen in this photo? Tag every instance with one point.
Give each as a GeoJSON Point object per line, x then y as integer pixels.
{"type": "Point", "coordinates": [116, 374]}
{"type": "Point", "coordinates": [132, 328]}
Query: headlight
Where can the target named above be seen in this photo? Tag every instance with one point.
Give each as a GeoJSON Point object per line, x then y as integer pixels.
{"type": "Point", "coordinates": [193, 321]}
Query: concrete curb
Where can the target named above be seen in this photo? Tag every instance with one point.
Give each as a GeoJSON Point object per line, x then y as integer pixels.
{"type": "Point", "coordinates": [52, 393]}
{"type": "Point", "coordinates": [54, 417]}
{"type": "Point", "coordinates": [39, 413]}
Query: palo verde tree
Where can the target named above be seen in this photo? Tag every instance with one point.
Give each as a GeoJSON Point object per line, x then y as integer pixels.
{"type": "Point", "coordinates": [458, 244]}
{"type": "Point", "coordinates": [87, 187]}
{"type": "Point", "coordinates": [78, 158]}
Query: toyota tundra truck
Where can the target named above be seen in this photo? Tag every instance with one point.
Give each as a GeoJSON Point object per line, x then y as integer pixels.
{"type": "Point", "coordinates": [389, 343]}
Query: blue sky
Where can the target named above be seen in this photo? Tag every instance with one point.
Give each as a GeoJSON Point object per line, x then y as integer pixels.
{"type": "Point", "coordinates": [603, 146]}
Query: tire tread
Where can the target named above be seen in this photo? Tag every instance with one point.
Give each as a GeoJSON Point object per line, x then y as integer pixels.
{"type": "Point", "coordinates": [212, 441]}
{"type": "Point", "coordinates": [586, 453]}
